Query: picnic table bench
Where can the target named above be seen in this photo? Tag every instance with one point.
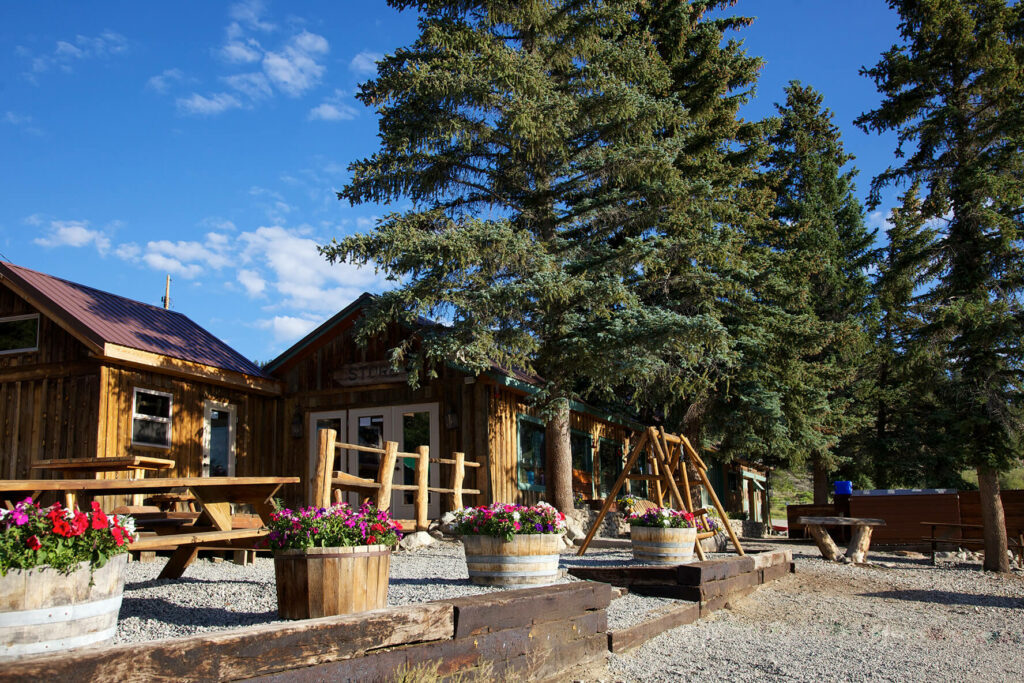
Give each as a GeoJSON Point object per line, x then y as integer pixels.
{"type": "Point", "coordinates": [214, 497]}
{"type": "Point", "coordinates": [857, 551]}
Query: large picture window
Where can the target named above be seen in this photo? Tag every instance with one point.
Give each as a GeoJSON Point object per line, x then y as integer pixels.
{"type": "Point", "coordinates": [532, 454]}
{"type": "Point", "coordinates": [19, 333]}
{"type": "Point", "coordinates": [581, 445]}
{"type": "Point", "coordinates": [151, 418]}
{"type": "Point", "coordinates": [609, 456]}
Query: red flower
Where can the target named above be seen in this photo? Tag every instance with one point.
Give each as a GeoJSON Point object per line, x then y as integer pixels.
{"type": "Point", "coordinates": [61, 527]}
{"type": "Point", "coordinates": [118, 535]}
{"type": "Point", "coordinates": [99, 520]}
{"type": "Point", "coordinates": [79, 524]}
{"type": "Point", "coordinates": [33, 543]}
{"type": "Point", "coordinates": [371, 539]}
{"type": "Point", "coordinates": [377, 527]}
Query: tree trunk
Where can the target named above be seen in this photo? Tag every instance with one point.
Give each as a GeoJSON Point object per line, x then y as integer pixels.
{"type": "Point", "coordinates": [993, 520]}
{"type": "Point", "coordinates": [820, 480]}
{"type": "Point", "coordinates": [559, 488]}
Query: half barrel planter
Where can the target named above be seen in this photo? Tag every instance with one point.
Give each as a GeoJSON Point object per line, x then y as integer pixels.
{"type": "Point", "coordinates": [526, 560]}
{"type": "Point", "coordinates": [43, 610]}
{"type": "Point", "coordinates": [662, 545]}
{"type": "Point", "coordinates": [322, 582]}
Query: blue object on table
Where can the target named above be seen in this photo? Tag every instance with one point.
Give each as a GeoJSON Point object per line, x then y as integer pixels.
{"type": "Point", "coordinates": [843, 488]}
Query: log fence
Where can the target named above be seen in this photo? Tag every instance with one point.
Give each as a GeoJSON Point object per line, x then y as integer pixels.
{"type": "Point", "coordinates": [328, 483]}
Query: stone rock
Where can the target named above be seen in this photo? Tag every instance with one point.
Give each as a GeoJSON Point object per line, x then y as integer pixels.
{"type": "Point", "coordinates": [566, 542]}
{"type": "Point", "coordinates": [910, 554]}
{"type": "Point", "coordinates": [418, 539]}
{"type": "Point", "coordinates": [574, 528]}
{"type": "Point", "coordinates": [445, 526]}
{"type": "Point", "coordinates": [944, 557]}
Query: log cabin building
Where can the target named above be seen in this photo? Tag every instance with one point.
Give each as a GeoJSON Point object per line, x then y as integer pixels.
{"type": "Point", "coordinates": [85, 373]}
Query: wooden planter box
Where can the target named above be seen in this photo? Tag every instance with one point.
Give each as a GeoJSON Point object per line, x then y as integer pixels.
{"type": "Point", "coordinates": [526, 560]}
{"type": "Point", "coordinates": [661, 545]}
{"type": "Point", "coordinates": [321, 582]}
{"type": "Point", "coordinates": [46, 611]}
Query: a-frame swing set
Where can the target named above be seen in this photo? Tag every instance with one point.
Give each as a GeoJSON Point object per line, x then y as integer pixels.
{"type": "Point", "coordinates": [669, 456]}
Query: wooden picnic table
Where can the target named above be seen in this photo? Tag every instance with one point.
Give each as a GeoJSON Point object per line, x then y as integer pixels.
{"type": "Point", "coordinates": [214, 496]}
{"type": "Point", "coordinates": [1015, 545]}
{"type": "Point", "coordinates": [857, 551]}
{"type": "Point", "coordinates": [131, 463]}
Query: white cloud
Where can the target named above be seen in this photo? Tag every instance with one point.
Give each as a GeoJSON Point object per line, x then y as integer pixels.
{"type": "Point", "coordinates": [128, 251]}
{"type": "Point", "coordinates": [201, 105]}
{"type": "Point", "coordinates": [253, 85]}
{"type": "Point", "coordinates": [162, 82]}
{"type": "Point", "coordinates": [250, 15]}
{"type": "Point", "coordinates": [365, 63]}
{"type": "Point", "coordinates": [72, 234]}
{"type": "Point", "coordinates": [295, 69]}
{"type": "Point", "coordinates": [171, 265]}
{"type": "Point", "coordinates": [67, 52]}
{"type": "Point", "coordinates": [239, 52]}
{"type": "Point", "coordinates": [251, 280]}
{"type": "Point", "coordinates": [287, 329]}
{"type": "Point", "coordinates": [332, 112]}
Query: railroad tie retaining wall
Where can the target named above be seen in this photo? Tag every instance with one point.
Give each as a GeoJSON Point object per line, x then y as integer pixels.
{"type": "Point", "coordinates": [535, 634]}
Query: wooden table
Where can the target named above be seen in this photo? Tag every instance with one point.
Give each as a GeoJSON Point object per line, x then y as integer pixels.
{"type": "Point", "coordinates": [858, 549]}
{"type": "Point", "coordinates": [1013, 544]}
{"type": "Point", "coordinates": [214, 496]}
{"type": "Point", "coordinates": [131, 463]}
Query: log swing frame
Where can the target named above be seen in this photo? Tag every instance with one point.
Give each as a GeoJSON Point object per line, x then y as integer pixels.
{"type": "Point", "coordinates": [670, 454]}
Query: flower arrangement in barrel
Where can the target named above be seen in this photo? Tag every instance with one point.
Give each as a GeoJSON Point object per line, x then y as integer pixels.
{"type": "Point", "coordinates": [62, 538]}
{"type": "Point", "coordinates": [334, 526]}
{"type": "Point", "coordinates": [507, 520]}
{"type": "Point", "coordinates": [663, 517]}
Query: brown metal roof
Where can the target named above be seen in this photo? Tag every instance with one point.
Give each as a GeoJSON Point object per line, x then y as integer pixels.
{"type": "Point", "coordinates": [108, 318]}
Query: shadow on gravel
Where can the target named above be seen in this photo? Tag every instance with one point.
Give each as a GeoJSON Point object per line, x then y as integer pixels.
{"type": "Point", "coordinates": [428, 582]}
{"type": "Point", "coordinates": [163, 610]}
{"type": "Point", "coordinates": [948, 598]}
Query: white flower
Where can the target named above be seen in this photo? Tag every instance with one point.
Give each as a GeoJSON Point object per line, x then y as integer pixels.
{"type": "Point", "coordinates": [665, 522]}
{"type": "Point", "coordinates": [515, 516]}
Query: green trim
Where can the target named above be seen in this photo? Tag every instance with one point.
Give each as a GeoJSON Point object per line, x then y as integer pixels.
{"type": "Point", "coordinates": [320, 331]}
{"type": "Point", "coordinates": [520, 419]}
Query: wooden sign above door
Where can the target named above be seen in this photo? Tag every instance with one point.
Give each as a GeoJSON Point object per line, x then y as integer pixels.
{"type": "Point", "coordinates": [359, 374]}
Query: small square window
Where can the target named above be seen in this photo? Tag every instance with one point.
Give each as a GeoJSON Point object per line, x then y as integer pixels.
{"type": "Point", "coordinates": [151, 418]}
{"type": "Point", "coordinates": [19, 333]}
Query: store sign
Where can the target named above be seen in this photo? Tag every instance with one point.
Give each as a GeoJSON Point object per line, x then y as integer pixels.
{"type": "Point", "coordinates": [359, 374]}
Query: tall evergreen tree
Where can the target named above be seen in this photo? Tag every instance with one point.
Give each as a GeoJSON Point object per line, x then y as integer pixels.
{"type": "Point", "coordinates": [952, 91]}
{"type": "Point", "coordinates": [824, 253]}
{"type": "Point", "coordinates": [527, 139]}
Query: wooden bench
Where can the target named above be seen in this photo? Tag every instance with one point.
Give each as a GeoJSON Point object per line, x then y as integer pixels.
{"type": "Point", "coordinates": [1014, 544]}
{"type": "Point", "coordinates": [858, 549]}
{"type": "Point", "coordinates": [186, 546]}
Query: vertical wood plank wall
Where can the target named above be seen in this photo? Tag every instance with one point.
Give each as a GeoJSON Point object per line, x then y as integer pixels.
{"type": "Point", "coordinates": [48, 397]}
{"type": "Point", "coordinates": [505, 406]}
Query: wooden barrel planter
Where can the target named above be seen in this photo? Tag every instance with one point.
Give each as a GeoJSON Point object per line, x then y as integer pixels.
{"type": "Point", "coordinates": [44, 610]}
{"type": "Point", "coordinates": [662, 545]}
{"type": "Point", "coordinates": [320, 582]}
{"type": "Point", "coordinates": [528, 559]}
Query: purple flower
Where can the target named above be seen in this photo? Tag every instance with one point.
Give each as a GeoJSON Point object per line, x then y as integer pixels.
{"type": "Point", "coordinates": [538, 526]}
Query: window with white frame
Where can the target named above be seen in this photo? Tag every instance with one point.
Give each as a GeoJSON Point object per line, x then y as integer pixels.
{"type": "Point", "coordinates": [19, 333]}
{"type": "Point", "coordinates": [151, 418]}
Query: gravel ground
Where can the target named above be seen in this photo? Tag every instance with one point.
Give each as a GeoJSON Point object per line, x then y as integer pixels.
{"type": "Point", "coordinates": [214, 596]}
{"type": "Point", "coordinates": [901, 619]}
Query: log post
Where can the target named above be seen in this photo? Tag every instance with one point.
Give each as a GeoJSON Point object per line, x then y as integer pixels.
{"type": "Point", "coordinates": [422, 481]}
{"type": "Point", "coordinates": [656, 471]}
{"type": "Point", "coordinates": [857, 551]}
{"type": "Point", "coordinates": [320, 487]}
{"type": "Point", "coordinates": [386, 474]}
{"type": "Point", "coordinates": [702, 473]}
{"type": "Point", "coordinates": [458, 474]}
{"type": "Point", "coordinates": [829, 549]}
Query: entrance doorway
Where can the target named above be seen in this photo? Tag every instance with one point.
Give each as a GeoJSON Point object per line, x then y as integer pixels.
{"type": "Point", "coordinates": [219, 421]}
{"type": "Point", "coordinates": [328, 419]}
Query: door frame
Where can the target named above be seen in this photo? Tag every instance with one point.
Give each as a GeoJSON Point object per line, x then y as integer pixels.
{"type": "Point", "coordinates": [209, 406]}
{"type": "Point", "coordinates": [393, 432]}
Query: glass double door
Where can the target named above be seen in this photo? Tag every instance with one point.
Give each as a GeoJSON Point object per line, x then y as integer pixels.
{"type": "Point", "coordinates": [411, 426]}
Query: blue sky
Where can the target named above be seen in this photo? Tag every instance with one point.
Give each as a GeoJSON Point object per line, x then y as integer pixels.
{"type": "Point", "coordinates": [206, 141]}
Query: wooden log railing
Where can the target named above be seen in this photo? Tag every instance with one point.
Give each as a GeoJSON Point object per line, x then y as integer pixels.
{"type": "Point", "coordinates": [380, 489]}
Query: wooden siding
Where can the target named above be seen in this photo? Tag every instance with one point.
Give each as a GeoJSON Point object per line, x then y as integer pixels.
{"type": "Point", "coordinates": [255, 430]}
{"type": "Point", "coordinates": [48, 398]}
{"type": "Point", "coordinates": [504, 408]}
{"type": "Point", "coordinates": [309, 386]}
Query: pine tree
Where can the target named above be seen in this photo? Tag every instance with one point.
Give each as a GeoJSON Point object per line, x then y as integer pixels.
{"type": "Point", "coordinates": [824, 252]}
{"type": "Point", "coordinates": [952, 91]}
{"type": "Point", "coordinates": [527, 141]}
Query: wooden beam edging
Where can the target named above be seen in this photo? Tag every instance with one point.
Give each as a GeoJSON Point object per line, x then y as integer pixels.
{"type": "Point", "coordinates": [243, 653]}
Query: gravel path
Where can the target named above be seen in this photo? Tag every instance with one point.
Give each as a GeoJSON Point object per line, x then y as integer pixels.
{"type": "Point", "coordinates": [900, 619]}
{"type": "Point", "coordinates": [214, 596]}
{"type": "Point", "coordinates": [903, 620]}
